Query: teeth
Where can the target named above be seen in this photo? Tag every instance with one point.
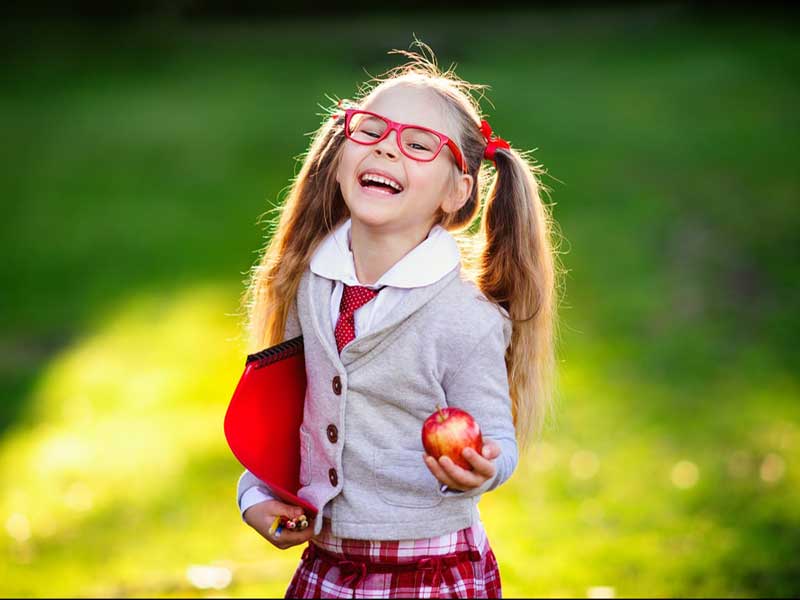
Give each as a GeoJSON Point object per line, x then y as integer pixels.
{"type": "Point", "coordinates": [379, 179]}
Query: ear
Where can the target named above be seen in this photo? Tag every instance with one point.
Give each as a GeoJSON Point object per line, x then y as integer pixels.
{"type": "Point", "coordinates": [459, 193]}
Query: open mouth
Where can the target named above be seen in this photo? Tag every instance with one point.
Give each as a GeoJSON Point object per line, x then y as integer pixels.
{"type": "Point", "coordinates": [380, 184]}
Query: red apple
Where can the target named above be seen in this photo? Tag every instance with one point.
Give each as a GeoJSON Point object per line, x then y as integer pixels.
{"type": "Point", "coordinates": [448, 431]}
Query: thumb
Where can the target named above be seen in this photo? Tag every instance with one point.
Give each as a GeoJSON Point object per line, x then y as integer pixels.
{"type": "Point", "coordinates": [491, 450]}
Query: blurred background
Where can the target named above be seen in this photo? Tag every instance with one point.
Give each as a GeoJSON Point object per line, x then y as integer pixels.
{"type": "Point", "coordinates": [142, 142]}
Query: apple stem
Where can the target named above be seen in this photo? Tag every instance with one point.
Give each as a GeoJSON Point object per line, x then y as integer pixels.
{"type": "Point", "coordinates": [441, 417]}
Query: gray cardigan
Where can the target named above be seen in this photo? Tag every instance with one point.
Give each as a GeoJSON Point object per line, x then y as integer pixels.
{"type": "Point", "coordinates": [361, 446]}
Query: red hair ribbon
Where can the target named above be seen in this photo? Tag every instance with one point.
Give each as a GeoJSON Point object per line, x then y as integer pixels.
{"type": "Point", "coordinates": [340, 105]}
{"type": "Point", "coordinates": [493, 143]}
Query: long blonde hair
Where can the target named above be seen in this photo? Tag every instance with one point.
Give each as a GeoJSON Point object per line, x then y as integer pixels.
{"type": "Point", "coordinates": [510, 257]}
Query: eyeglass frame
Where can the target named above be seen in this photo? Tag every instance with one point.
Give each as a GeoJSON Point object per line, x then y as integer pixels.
{"type": "Point", "coordinates": [398, 128]}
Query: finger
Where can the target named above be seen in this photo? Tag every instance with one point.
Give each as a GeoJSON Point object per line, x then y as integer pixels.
{"type": "Point", "coordinates": [280, 509]}
{"type": "Point", "coordinates": [290, 535]}
{"type": "Point", "coordinates": [287, 539]}
{"type": "Point", "coordinates": [286, 532]}
{"type": "Point", "coordinates": [491, 450]}
{"type": "Point", "coordinates": [439, 473]}
{"type": "Point", "coordinates": [480, 465]}
{"type": "Point", "coordinates": [462, 477]}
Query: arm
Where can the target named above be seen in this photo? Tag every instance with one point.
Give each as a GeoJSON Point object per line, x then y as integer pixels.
{"type": "Point", "coordinates": [249, 491]}
{"type": "Point", "coordinates": [480, 386]}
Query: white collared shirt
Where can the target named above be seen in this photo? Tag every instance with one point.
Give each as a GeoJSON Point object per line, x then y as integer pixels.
{"type": "Point", "coordinates": [427, 263]}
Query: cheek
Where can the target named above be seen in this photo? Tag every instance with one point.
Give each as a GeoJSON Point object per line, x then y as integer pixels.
{"type": "Point", "coordinates": [347, 163]}
{"type": "Point", "coordinates": [434, 180]}
{"type": "Point", "coordinates": [345, 167]}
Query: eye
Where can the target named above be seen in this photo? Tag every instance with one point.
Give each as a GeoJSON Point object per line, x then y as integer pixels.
{"type": "Point", "coordinates": [418, 146]}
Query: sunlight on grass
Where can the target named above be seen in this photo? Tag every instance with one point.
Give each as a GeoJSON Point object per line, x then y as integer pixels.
{"type": "Point", "coordinates": [136, 394]}
{"type": "Point", "coordinates": [126, 464]}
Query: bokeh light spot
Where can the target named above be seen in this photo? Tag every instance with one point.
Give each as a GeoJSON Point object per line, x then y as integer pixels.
{"type": "Point", "coordinates": [601, 591]}
{"type": "Point", "coordinates": [685, 474]}
{"type": "Point", "coordinates": [206, 577]}
{"type": "Point", "coordinates": [18, 527]}
{"type": "Point", "coordinates": [772, 468]}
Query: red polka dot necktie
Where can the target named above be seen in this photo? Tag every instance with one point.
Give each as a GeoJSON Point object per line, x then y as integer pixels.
{"type": "Point", "coordinates": [353, 298]}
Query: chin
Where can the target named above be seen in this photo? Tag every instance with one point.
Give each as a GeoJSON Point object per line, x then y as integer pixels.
{"type": "Point", "coordinates": [370, 219]}
{"type": "Point", "coordinates": [371, 213]}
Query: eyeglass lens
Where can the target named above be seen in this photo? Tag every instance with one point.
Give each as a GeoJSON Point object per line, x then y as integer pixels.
{"type": "Point", "coordinates": [414, 142]}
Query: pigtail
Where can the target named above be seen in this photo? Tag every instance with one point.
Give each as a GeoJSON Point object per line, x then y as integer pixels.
{"type": "Point", "coordinates": [517, 269]}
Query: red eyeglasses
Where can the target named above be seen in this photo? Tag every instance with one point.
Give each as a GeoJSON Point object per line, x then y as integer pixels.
{"type": "Point", "coordinates": [416, 142]}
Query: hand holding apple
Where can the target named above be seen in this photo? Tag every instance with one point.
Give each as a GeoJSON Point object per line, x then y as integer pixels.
{"type": "Point", "coordinates": [448, 431]}
{"type": "Point", "coordinates": [461, 441]}
{"type": "Point", "coordinates": [456, 478]}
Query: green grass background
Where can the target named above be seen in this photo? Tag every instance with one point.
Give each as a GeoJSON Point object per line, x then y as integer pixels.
{"type": "Point", "coordinates": [136, 161]}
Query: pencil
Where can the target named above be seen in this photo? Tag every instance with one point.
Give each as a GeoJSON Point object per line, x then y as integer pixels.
{"type": "Point", "coordinates": [274, 525]}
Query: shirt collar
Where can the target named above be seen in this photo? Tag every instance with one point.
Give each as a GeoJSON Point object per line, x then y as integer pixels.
{"type": "Point", "coordinates": [434, 257]}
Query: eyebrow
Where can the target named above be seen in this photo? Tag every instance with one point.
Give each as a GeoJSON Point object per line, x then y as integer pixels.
{"type": "Point", "coordinates": [441, 129]}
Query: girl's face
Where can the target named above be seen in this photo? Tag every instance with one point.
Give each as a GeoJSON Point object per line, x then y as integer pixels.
{"type": "Point", "coordinates": [426, 186]}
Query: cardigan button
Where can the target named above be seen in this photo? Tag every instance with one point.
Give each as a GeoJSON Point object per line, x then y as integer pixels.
{"type": "Point", "coordinates": [337, 385]}
{"type": "Point", "coordinates": [333, 477]}
{"type": "Point", "coordinates": [333, 434]}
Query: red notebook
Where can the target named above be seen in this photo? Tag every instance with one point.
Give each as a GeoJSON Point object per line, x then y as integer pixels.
{"type": "Point", "coordinates": [262, 423]}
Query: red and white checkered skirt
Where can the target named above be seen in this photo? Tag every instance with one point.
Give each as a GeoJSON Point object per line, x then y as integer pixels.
{"type": "Point", "coordinates": [457, 565]}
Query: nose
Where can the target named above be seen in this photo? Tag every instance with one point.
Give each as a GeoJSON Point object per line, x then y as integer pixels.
{"type": "Point", "coordinates": [389, 145]}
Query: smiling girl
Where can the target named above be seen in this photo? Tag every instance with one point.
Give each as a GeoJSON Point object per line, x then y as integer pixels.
{"type": "Point", "coordinates": [401, 309]}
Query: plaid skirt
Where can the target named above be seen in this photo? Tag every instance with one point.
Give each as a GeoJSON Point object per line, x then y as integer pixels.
{"type": "Point", "coordinates": [458, 565]}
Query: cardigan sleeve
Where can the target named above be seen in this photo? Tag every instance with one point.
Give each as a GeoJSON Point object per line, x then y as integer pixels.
{"type": "Point", "coordinates": [251, 490]}
{"type": "Point", "coordinates": [480, 387]}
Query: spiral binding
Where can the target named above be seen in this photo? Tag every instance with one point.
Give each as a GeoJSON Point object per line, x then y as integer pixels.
{"type": "Point", "coordinates": [273, 354]}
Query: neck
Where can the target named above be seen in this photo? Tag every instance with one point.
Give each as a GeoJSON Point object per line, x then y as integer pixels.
{"type": "Point", "coordinates": [375, 251]}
